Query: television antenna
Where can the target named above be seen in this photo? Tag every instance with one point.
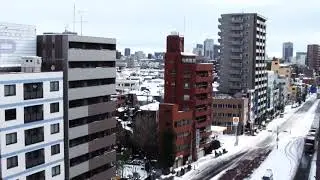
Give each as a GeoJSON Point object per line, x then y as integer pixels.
{"type": "Point", "coordinates": [81, 12]}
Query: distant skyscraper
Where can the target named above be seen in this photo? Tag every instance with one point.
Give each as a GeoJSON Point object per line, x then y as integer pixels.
{"type": "Point", "coordinates": [216, 52]}
{"type": "Point", "coordinates": [313, 57]}
{"type": "Point", "coordinates": [208, 48]}
{"type": "Point", "coordinates": [118, 54]}
{"type": "Point", "coordinates": [198, 50]}
{"type": "Point", "coordinates": [301, 58]}
{"type": "Point", "coordinates": [287, 52]}
{"type": "Point", "coordinates": [149, 56]}
{"type": "Point", "coordinates": [127, 52]}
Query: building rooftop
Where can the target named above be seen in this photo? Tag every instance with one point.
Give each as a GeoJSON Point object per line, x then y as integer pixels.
{"type": "Point", "coordinates": [188, 54]}
{"type": "Point", "coordinates": [150, 107]}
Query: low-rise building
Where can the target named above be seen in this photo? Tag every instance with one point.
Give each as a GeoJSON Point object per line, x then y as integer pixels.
{"type": "Point", "coordinates": [224, 109]}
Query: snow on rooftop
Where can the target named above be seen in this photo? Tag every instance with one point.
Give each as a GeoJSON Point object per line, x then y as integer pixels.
{"type": "Point", "coordinates": [187, 54]}
{"type": "Point", "coordinates": [150, 107]}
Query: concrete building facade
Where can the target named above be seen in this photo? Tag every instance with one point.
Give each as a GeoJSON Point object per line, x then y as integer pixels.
{"type": "Point", "coordinates": [242, 53]}
{"type": "Point", "coordinates": [31, 125]}
{"type": "Point", "coordinates": [208, 48]}
{"type": "Point", "coordinates": [313, 57]}
{"type": "Point", "coordinates": [224, 109]}
{"type": "Point", "coordinates": [88, 65]}
{"type": "Point", "coordinates": [189, 85]}
{"type": "Point", "coordinates": [287, 52]}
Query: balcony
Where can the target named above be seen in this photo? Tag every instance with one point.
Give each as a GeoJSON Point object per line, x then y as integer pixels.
{"type": "Point", "coordinates": [236, 57]}
{"type": "Point", "coordinates": [235, 72]}
{"type": "Point", "coordinates": [201, 101]}
{"type": "Point", "coordinates": [234, 79]}
{"type": "Point", "coordinates": [236, 35]}
{"type": "Point", "coordinates": [220, 20]}
{"type": "Point", "coordinates": [204, 79]}
{"type": "Point", "coordinates": [220, 40]}
{"type": "Point", "coordinates": [236, 65]}
{"type": "Point", "coordinates": [220, 26]}
{"type": "Point", "coordinates": [236, 42]}
{"type": "Point", "coordinates": [202, 124]}
{"type": "Point", "coordinates": [237, 20]}
{"type": "Point", "coordinates": [235, 87]}
{"type": "Point", "coordinates": [201, 90]}
{"type": "Point", "coordinates": [236, 50]}
{"type": "Point", "coordinates": [237, 28]}
{"type": "Point", "coordinates": [184, 128]}
{"type": "Point", "coordinates": [203, 112]}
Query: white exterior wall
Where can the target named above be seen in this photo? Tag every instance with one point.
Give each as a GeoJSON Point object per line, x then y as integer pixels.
{"type": "Point", "coordinates": [20, 172]}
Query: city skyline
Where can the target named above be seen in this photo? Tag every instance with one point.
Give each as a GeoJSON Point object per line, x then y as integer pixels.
{"type": "Point", "coordinates": [119, 19]}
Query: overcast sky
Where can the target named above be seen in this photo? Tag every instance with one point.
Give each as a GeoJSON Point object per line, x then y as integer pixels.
{"type": "Point", "coordinates": [144, 24]}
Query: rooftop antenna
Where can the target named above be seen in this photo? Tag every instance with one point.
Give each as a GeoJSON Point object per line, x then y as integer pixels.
{"type": "Point", "coordinates": [184, 25]}
{"type": "Point", "coordinates": [66, 28]}
{"type": "Point", "coordinates": [74, 15]}
{"type": "Point", "coordinates": [81, 19]}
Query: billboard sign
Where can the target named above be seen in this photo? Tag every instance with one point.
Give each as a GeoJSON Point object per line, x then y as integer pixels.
{"type": "Point", "coordinates": [16, 40]}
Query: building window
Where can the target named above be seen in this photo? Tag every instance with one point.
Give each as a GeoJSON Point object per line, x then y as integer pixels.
{"type": "Point", "coordinates": [239, 106]}
{"type": "Point", "coordinates": [54, 86]}
{"type": "Point", "coordinates": [10, 90]}
{"type": "Point", "coordinates": [54, 107]}
{"type": "Point", "coordinates": [11, 138]}
{"type": "Point", "coordinates": [12, 162]}
{"type": "Point", "coordinates": [234, 106]}
{"type": "Point", "coordinates": [55, 149]}
{"type": "Point", "coordinates": [10, 114]}
{"type": "Point", "coordinates": [214, 105]}
{"type": "Point", "coordinates": [34, 135]}
{"type": "Point", "coordinates": [173, 84]}
{"type": "Point", "coordinates": [33, 91]}
{"type": "Point", "coordinates": [54, 128]}
{"type": "Point", "coordinates": [55, 170]}
{"type": "Point", "coordinates": [37, 176]}
{"type": "Point", "coordinates": [34, 158]}
{"type": "Point", "coordinates": [186, 97]}
{"type": "Point", "coordinates": [186, 86]}
{"type": "Point", "coordinates": [33, 113]}
{"type": "Point", "coordinates": [219, 105]}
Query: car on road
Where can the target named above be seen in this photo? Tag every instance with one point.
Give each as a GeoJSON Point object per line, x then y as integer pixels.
{"type": "Point", "coordinates": [309, 144]}
{"type": "Point", "coordinates": [268, 175]}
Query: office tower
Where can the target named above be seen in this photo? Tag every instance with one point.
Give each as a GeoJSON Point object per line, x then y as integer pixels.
{"type": "Point", "coordinates": [31, 118]}
{"type": "Point", "coordinates": [89, 72]}
{"type": "Point", "coordinates": [118, 55]}
{"type": "Point", "coordinates": [188, 85]}
{"type": "Point", "coordinates": [287, 52]}
{"type": "Point", "coordinates": [208, 48]}
{"type": "Point", "coordinates": [16, 40]}
{"type": "Point", "coordinates": [301, 58]}
{"type": "Point", "coordinates": [127, 52]}
{"type": "Point", "coordinates": [242, 65]}
{"type": "Point", "coordinates": [198, 50]}
{"type": "Point", "coordinates": [313, 57]}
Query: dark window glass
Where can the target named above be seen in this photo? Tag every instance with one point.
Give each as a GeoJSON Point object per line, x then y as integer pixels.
{"type": "Point", "coordinates": [55, 170]}
{"type": "Point", "coordinates": [11, 138]}
{"type": "Point", "coordinates": [12, 162]}
{"type": "Point", "coordinates": [54, 128]}
{"type": "Point", "coordinates": [55, 149]}
{"type": "Point", "coordinates": [54, 86]}
{"type": "Point", "coordinates": [37, 176]}
{"type": "Point", "coordinates": [10, 90]}
{"type": "Point", "coordinates": [10, 114]}
{"type": "Point", "coordinates": [34, 135]}
{"type": "Point", "coordinates": [33, 113]}
{"type": "Point", "coordinates": [33, 91]}
{"type": "Point", "coordinates": [54, 107]}
{"type": "Point", "coordinates": [34, 158]}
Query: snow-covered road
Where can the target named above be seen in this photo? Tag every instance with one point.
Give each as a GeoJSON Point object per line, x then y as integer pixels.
{"type": "Point", "coordinates": [250, 147]}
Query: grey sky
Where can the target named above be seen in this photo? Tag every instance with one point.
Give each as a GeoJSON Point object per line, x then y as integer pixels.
{"type": "Point", "coordinates": [144, 24]}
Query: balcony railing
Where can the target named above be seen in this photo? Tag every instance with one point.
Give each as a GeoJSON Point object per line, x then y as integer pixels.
{"type": "Point", "coordinates": [236, 57]}
{"type": "Point", "coordinates": [236, 42]}
{"type": "Point", "coordinates": [202, 113]}
{"type": "Point", "coordinates": [205, 123]}
{"type": "Point", "coordinates": [204, 78]}
{"type": "Point", "coordinates": [237, 28]}
{"type": "Point", "coordinates": [236, 65]}
{"type": "Point", "coordinates": [203, 90]}
{"type": "Point", "coordinates": [236, 50]}
{"type": "Point", "coordinates": [236, 35]}
{"type": "Point", "coordinates": [237, 20]}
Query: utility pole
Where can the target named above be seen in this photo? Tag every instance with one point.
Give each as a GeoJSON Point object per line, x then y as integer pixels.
{"type": "Point", "coordinates": [277, 136]}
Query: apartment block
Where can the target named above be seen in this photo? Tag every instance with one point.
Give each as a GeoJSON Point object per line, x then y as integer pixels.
{"type": "Point", "coordinates": [225, 108]}
{"type": "Point", "coordinates": [313, 57]}
{"type": "Point", "coordinates": [31, 123]}
{"type": "Point", "coordinates": [189, 85]}
{"type": "Point", "coordinates": [88, 65]}
{"type": "Point", "coordinates": [242, 53]}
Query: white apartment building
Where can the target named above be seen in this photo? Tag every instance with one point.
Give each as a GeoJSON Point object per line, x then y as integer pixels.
{"type": "Point", "coordinates": [31, 125]}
